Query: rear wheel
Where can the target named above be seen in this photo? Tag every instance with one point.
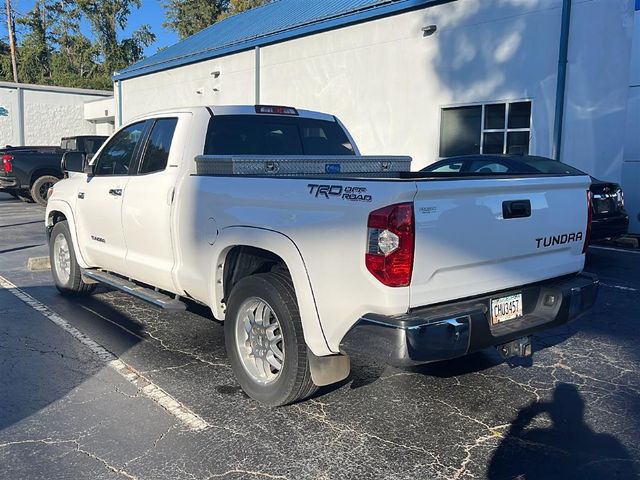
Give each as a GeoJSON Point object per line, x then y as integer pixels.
{"type": "Point", "coordinates": [64, 266]}
{"type": "Point", "coordinates": [265, 342]}
{"type": "Point", "coordinates": [40, 188]}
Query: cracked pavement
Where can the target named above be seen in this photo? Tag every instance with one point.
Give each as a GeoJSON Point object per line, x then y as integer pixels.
{"type": "Point", "coordinates": [572, 412]}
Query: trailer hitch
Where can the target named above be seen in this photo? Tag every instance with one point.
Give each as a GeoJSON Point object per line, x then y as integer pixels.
{"type": "Point", "coordinates": [516, 348]}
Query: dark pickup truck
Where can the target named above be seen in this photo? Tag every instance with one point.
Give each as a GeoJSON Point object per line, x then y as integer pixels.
{"type": "Point", "coordinates": [28, 172]}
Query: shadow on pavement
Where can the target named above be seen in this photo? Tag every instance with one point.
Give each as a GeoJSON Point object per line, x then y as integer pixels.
{"type": "Point", "coordinates": [17, 249]}
{"type": "Point", "coordinates": [568, 448]}
{"type": "Point", "coordinates": [40, 363]}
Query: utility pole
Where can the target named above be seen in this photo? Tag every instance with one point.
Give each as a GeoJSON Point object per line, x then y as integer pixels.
{"type": "Point", "coordinates": [12, 41]}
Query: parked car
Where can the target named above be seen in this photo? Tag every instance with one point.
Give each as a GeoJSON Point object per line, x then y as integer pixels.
{"type": "Point", "coordinates": [310, 252]}
{"type": "Point", "coordinates": [609, 217]}
{"type": "Point", "coordinates": [28, 172]}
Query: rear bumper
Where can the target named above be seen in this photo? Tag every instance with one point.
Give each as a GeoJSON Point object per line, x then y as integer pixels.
{"type": "Point", "coordinates": [456, 329]}
{"type": "Point", "coordinates": [9, 183]}
{"type": "Point", "coordinates": [602, 228]}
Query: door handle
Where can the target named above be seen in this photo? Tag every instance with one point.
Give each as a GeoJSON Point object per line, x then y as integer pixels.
{"type": "Point", "coordinates": [81, 195]}
{"type": "Point", "coordinates": [516, 209]}
{"type": "Point", "coordinates": [116, 192]}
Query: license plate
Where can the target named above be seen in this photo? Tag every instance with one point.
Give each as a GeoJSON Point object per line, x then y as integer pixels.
{"type": "Point", "coordinates": [506, 308]}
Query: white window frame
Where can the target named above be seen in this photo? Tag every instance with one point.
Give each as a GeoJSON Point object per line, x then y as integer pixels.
{"type": "Point", "coordinates": [506, 129]}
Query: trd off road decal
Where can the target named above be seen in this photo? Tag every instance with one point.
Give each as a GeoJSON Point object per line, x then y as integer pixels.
{"type": "Point", "coordinates": [351, 194]}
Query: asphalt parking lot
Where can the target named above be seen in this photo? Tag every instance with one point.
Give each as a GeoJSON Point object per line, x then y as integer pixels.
{"type": "Point", "coordinates": [65, 412]}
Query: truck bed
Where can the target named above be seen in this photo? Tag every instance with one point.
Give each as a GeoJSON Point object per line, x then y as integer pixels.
{"type": "Point", "coordinates": [463, 244]}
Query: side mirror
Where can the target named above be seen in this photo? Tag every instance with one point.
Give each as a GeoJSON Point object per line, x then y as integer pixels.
{"type": "Point", "coordinates": [73, 162]}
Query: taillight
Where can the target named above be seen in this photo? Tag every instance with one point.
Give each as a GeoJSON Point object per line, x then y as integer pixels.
{"type": "Point", "coordinates": [587, 235]}
{"type": "Point", "coordinates": [391, 241]}
{"type": "Point", "coordinates": [620, 199]}
{"type": "Point", "coordinates": [7, 166]}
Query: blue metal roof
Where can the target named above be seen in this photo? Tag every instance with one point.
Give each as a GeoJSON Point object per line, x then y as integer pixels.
{"type": "Point", "coordinates": [274, 22]}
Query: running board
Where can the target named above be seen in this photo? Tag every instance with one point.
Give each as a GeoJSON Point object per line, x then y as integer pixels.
{"type": "Point", "coordinates": [149, 295]}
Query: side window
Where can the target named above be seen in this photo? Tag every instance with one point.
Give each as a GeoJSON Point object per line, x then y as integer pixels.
{"type": "Point", "coordinates": [448, 168]}
{"type": "Point", "coordinates": [116, 157]}
{"type": "Point", "coordinates": [156, 154]}
{"type": "Point", "coordinates": [92, 145]}
{"type": "Point", "coordinates": [480, 166]}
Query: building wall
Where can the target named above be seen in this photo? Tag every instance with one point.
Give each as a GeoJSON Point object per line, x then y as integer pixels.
{"type": "Point", "coordinates": [9, 117]}
{"type": "Point", "coordinates": [631, 165]}
{"type": "Point", "coordinates": [192, 85]}
{"type": "Point", "coordinates": [102, 114]}
{"type": "Point", "coordinates": [48, 115]}
{"type": "Point", "coordinates": [597, 86]}
{"type": "Point", "coordinates": [389, 83]}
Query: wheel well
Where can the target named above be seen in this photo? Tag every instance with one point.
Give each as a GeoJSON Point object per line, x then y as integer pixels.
{"type": "Point", "coordinates": [54, 217]}
{"type": "Point", "coordinates": [243, 261]}
{"type": "Point", "coordinates": [42, 172]}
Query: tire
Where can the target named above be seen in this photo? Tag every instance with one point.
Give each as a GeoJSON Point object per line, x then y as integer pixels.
{"type": "Point", "coordinates": [64, 266]}
{"type": "Point", "coordinates": [40, 188]}
{"type": "Point", "coordinates": [292, 382]}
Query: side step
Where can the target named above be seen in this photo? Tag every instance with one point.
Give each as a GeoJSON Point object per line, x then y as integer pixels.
{"type": "Point", "coordinates": [147, 294]}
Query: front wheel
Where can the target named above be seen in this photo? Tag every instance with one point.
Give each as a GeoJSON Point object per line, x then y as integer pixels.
{"type": "Point", "coordinates": [265, 342]}
{"type": "Point", "coordinates": [64, 266]}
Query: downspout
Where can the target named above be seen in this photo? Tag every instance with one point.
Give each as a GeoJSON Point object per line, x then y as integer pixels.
{"type": "Point", "coordinates": [562, 79]}
{"type": "Point", "coordinates": [21, 124]}
{"type": "Point", "coordinates": [258, 63]}
{"type": "Point", "coordinates": [119, 83]}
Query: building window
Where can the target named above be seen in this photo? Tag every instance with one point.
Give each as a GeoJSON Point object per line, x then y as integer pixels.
{"type": "Point", "coordinates": [498, 128]}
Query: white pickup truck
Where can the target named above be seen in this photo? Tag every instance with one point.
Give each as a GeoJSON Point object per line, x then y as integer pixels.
{"type": "Point", "coordinates": [311, 253]}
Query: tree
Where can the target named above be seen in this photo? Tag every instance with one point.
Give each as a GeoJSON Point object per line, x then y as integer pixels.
{"type": "Point", "coordinates": [75, 63]}
{"type": "Point", "coordinates": [5, 62]}
{"type": "Point", "coordinates": [238, 6]}
{"type": "Point", "coordinates": [187, 17]}
{"type": "Point", "coordinates": [35, 51]}
{"type": "Point", "coordinates": [107, 18]}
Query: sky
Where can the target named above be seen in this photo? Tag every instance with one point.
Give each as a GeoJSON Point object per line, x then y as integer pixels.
{"type": "Point", "coordinates": [150, 13]}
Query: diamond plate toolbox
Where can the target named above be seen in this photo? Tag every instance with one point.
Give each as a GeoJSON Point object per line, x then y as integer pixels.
{"type": "Point", "coordinates": [275, 165]}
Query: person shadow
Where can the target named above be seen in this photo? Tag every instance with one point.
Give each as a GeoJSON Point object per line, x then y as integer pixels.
{"type": "Point", "coordinates": [567, 449]}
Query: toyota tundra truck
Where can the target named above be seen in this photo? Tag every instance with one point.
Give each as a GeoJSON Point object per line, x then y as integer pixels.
{"type": "Point", "coordinates": [311, 253]}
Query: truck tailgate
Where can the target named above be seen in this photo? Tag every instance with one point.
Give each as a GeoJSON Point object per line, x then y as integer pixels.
{"type": "Point", "coordinates": [465, 246]}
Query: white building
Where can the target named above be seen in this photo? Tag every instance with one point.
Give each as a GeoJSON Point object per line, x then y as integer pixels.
{"type": "Point", "coordinates": [427, 78]}
{"type": "Point", "coordinates": [42, 114]}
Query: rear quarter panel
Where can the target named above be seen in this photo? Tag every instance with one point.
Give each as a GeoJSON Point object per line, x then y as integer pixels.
{"type": "Point", "coordinates": [329, 233]}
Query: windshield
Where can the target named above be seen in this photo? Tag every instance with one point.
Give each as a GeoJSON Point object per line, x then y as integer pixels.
{"type": "Point", "coordinates": [275, 135]}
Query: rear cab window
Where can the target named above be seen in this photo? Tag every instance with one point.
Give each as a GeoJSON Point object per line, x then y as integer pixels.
{"type": "Point", "coordinates": [275, 135]}
{"type": "Point", "coordinates": [156, 151]}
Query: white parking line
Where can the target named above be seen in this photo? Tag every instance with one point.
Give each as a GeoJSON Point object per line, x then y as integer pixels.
{"type": "Point", "coordinates": [146, 386]}
{"type": "Point", "coordinates": [619, 287]}
{"type": "Point", "coordinates": [635, 252]}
